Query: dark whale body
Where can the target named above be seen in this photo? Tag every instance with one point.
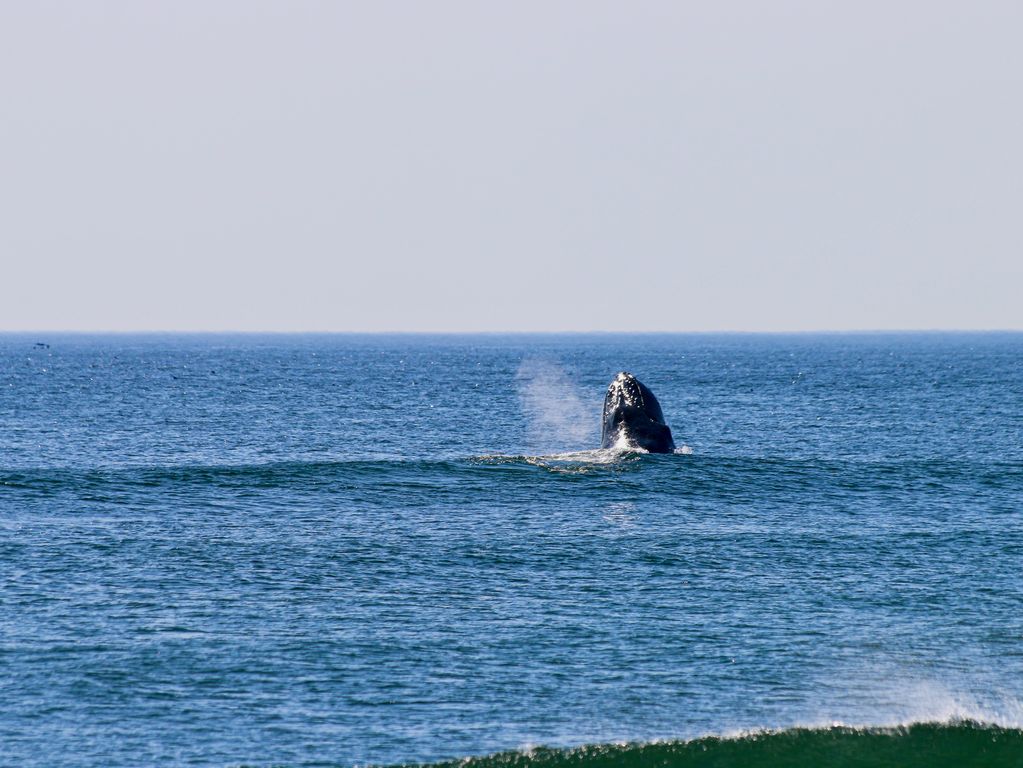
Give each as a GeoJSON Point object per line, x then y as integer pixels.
{"type": "Point", "coordinates": [633, 417]}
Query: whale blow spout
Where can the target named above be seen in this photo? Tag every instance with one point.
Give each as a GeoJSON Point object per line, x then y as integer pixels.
{"type": "Point", "coordinates": [633, 417]}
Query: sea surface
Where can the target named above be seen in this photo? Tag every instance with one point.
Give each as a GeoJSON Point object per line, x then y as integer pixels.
{"type": "Point", "coordinates": [338, 550]}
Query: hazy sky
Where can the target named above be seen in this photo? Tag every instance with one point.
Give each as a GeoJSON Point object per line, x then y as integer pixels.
{"type": "Point", "coordinates": [511, 166]}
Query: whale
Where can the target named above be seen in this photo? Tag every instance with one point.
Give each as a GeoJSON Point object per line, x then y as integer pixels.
{"type": "Point", "coordinates": [633, 417]}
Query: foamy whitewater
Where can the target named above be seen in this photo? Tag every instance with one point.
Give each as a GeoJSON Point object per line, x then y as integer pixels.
{"type": "Point", "coordinates": [351, 550]}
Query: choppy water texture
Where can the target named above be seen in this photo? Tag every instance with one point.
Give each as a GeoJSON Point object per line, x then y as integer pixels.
{"type": "Point", "coordinates": [339, 550]}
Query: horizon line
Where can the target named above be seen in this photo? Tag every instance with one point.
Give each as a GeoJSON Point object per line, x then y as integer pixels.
{"type": "Point", "coordinates": [433, 332]}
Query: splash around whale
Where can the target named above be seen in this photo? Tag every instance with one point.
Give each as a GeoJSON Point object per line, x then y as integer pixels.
{"type": "Point", "coordinates": [633, 417]}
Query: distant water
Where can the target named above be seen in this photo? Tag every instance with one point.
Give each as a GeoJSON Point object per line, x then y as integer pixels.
{"type": "Point", "coordinates": [339, 550]}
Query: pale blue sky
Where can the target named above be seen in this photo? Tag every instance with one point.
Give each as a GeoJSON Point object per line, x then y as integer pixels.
{"type": "Point", "coordinates": [475, 166]}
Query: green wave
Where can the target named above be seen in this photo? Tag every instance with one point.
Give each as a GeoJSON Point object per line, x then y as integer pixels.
{"type": "Point", "coordinates": [961, 744]}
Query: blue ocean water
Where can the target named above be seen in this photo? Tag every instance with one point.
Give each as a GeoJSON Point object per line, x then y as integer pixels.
{"type": "Point", "coordinates": [339, 550]}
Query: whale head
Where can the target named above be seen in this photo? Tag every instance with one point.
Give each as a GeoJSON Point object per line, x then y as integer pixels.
{"type": "Point", "coordinates": [633, 417]}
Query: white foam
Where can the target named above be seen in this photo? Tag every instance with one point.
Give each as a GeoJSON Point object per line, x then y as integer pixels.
{"type": "Point", "coordinates": [902, 699]}
{"type": "Point", "coordinates": [624, 445]}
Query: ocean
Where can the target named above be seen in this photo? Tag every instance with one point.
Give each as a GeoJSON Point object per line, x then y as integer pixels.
{"type": "Point", "coordinates": [344, 550]}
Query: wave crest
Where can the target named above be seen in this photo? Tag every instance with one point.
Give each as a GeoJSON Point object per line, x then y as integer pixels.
{"type": "Point", "coordinates": [933, 744]}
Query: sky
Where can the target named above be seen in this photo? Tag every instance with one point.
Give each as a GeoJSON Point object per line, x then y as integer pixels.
{"type": "Point", "coordinates": [519, 166]}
